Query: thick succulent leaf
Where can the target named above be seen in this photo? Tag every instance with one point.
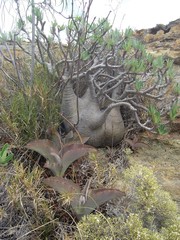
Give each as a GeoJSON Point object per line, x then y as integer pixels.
{"type": "Point", "coordinates": [96, 198]}
{"type": "Point", "coordinates": [9, 157]}
{"type": "Point", "coordinates": [44, 147]}
{"type": "Point", "coordinates": [55, 137]}
{"type": "Point", "coordinates": [54, 165]}
{"type": "Point", "coordinates": [4, 150]}
{"type": "Point", "coordinates": [72, 152]}
{"type": "Point", "coordinates": [64, 186]}
{"type": "Point", "coordinates": [76, 139]}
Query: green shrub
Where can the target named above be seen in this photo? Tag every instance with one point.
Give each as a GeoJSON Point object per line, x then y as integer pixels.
{"type": "Point", "coordinates": [24, 187]}
{"type": "Point", "coordinates": [24, 203]}
{"type": "Point", "coordinates": [172, 232]}
{"type": "Point", "coordinates": [97, 227]}
{"type": "Point", "coordinates": [133, 229]}
{"type": "Point", "coordinates": [154, 205]}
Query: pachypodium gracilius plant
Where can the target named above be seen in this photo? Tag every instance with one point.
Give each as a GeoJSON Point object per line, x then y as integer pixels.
{"type": "Point", "coordinates": [104, 73]}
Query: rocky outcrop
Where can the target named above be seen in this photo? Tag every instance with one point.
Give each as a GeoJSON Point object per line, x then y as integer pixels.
{"type": "Point", "coordinates": [163, 40]}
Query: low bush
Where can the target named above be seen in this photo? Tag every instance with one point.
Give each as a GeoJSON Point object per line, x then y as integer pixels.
{"type": "Point", "coordinates": [25, 211]}
{"type": "Point", "coordinates": [154, 206]}
{"type": "Point", "coordinates": [100, 228]}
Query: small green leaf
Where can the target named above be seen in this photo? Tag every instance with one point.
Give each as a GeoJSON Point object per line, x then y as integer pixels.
{"type": "Point", "coordinates": [9, 157]}
{"type": "Point", "coordinates": [4, 149]}
{"type": "Point", "coordinates": [176, 89]}
{"type": "Point", "coordinates": [20, 23]}
{"type": "Point", "coordinates": [5, 156]}
{"type": "Point", "coordinates": [138, 85]}
{"type": "Point", "coordinates": [174, 111]}
{"type": "Point", "coordinates": [128, 33]}
{"type": "Point", "coordinates": [38, 14]}
{"type": "Point", "coordinates": [162, 129]}
{"type": "Point", "coordinates": [170, 73]}
{"type": "Point", "coordinates": [85, 55]}
{"type": "Point", "coordinates": [155, 114]}
{"type": "Point", "coordinates": [158, 62]}
{"type": "Point", "coordinates": [127, 46]}
{"type": "Point", "coordinates": [29, 18]}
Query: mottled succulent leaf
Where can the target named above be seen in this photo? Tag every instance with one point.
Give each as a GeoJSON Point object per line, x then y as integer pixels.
{"type": "Point", "coordinates": [72, 152]}
{"type": "Point", "coordinates": [44, 147]}
{"type": "Point", "coordinates": [96, 198]}
{"type": "Point", "coordinates": [64, 186]}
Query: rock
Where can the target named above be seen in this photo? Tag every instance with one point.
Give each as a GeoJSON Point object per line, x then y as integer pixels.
{"type": "Point", "coordinates": [163, 40]}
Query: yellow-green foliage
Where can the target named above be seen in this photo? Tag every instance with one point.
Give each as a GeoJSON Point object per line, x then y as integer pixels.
{"type": "Point", "coordinates": [154, 205]}
{"type": "Point", "coordinates": [133, 229]}
{"type": "Point", "coordinates": [97, 227]}
{"type": "Point", "coordinates": [28, 111]}
{"type": "Point", "coordinates": [105, 172]}
{"type": "Point", "coordinates": [24, 202]}
{"type": "Point", "coordinates": [172, 232]}
{"type": "Point", "coordinates": [25, 193]}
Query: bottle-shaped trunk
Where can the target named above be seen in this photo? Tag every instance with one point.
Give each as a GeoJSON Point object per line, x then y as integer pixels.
{"type": "Point", "coordinates": [69, 106]}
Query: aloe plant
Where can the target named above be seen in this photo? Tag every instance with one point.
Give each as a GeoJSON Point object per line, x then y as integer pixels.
{"type": "Point", "coordinates": [84, 201]}
{"type": "Point", "coordinates": [59, 157]}
{"type": "Point", "coordinates": [5, 155]}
